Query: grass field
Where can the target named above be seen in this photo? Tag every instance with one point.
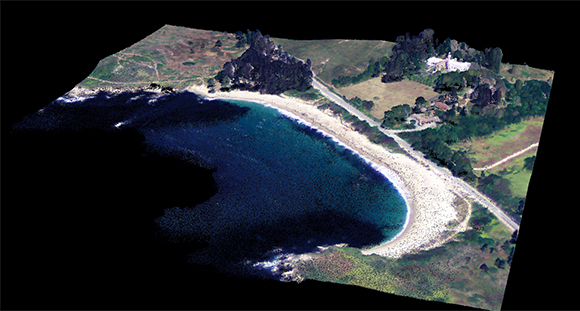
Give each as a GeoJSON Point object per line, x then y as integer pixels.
{"type": "Point", "coordinates": [488, 150]}
{"type": "Point", "coordinates": [388, 94]}
{"type": "Point", "coordinates": [334, 58]}
{"type": "Point", "coordinates": [514, 172]}
{"type": "Point", "coordinates": [515, 137]}
{"type": "Point", "coordinates": [524, 73]}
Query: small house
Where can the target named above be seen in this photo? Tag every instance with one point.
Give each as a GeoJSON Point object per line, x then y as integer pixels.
{"type": "Point", "coordinates": [441, 106]}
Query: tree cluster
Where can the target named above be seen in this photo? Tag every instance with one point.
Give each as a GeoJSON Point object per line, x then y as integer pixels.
{"type": "Point", "coordinates": [493, 59]}
{"type": "Point", "coordinates": [498, 188]}
{"type": "Point", "coordinates": [266, 68]}
{"type": "Point", "coordinates": [397, 115]}
{"type": "Point", "coordinates": [450, 81]}
{"type": "Point", "coordinates": [457, 81]}
{"type": "Point", "coordinates": [361, 104]}
{"type": "Point", "coordinates": [534, 98]}
{"type": "Point", "coordinates": [420, 103]}
{"type": "Point", "coordinates": [431, 143]}
{"type": "Point", "coordinates": [500, 263]}
{"type": "Point", "coordinates": [461, 51]}
{"type": "Point", "coordinates": [408, 55]}
{"type": "Point", "coordinates": [485, 99]}
{"type": "Point", "coordinates": [529, 163]}
{"type": "Point", "coordinates": [247, 38]}
{"type": "Point", "coordinates": [372, 133]}
{"type": "Point", "coordinates": [471, 77]}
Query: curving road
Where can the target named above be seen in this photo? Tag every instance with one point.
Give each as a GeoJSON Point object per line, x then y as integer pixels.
{"type": "Point", "coordinates": [442, 172]}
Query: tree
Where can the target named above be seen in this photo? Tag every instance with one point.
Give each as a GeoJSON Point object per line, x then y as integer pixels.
{"type": "Point", "coordinates": [444, 47]}
{"type": "Point", "coordinates": [518, 85]}
{"type": "Point", "coordinates": [529, 163]}
{"type": "Point", "coordinates": [484, 247]}
{"type": "Point", "coordinates": [505, 245]}
{"type": "Point", "coordinates": [218, 43]}
{"type": "Point", "coordinates": [420, 100]}
{"type": "Point", "coordinates": [514, 237]}
{"type": "Point", "coordinates": [420, 103]}
{"type": "Point", "coordinates": [401, 112]}
{"type": "Point", "coordinates": [471, 77]}
{"type": "Point", "coordinates": [483, 267]}
{"type": "Point", "coordinates": [448, 81]}
{"type": "Point", "coordinates": [242, 42]}
{"type": "Point", "coordinates": [511, 256]}
{"type": "Point", "coordinates": [493, 59]}
{"type": "Point", "coordinates": [500, 263]}
{"type": "Point", "coordinates": [481, 97]}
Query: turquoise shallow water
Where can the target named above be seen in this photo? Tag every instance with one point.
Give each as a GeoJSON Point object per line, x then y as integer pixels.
{"type": "Point", "coordinates": [280, 184]}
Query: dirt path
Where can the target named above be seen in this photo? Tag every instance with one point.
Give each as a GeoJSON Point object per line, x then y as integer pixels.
{"type": "Point", "coordinates": [488, 167]}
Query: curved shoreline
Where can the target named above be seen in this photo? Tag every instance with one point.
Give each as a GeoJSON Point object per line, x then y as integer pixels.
{"type": "Point", "coordinates": [386, 172]}
{"type": "Point", "coordinates": [428, 198]}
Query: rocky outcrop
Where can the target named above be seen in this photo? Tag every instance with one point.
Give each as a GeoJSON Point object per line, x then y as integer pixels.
{"type": "Point", "coordinates": [160, 88]}
{"type": "Point", "coordinates": [266, 68]}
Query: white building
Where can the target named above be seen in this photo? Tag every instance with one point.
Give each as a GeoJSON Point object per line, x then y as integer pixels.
{"type": "Point", "coordinates": [449, 64]}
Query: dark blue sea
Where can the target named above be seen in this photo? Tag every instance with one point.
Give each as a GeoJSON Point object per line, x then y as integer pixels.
{"type": "Point", "coordinates": [276, 183]}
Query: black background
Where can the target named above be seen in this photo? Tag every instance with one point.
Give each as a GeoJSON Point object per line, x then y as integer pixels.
{"type": "Point", "coordinates": [67, 244]}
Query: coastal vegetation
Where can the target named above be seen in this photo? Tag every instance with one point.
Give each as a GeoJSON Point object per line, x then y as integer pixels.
{"type": "Point", "coordinates": [371, 132]}
{"type": "Point", "coordinates": [471, 270]}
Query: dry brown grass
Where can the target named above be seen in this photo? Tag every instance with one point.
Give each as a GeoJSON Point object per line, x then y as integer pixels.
{"type": "Point", "coordinates": [389, 94]}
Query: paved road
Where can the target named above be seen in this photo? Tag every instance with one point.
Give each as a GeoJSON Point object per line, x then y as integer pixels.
{"type": "Point", "coordinates": [418, 156]}
{"type": "Point", "coordinates": [352, 110]}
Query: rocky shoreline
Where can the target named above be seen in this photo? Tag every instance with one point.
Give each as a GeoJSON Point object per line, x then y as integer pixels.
{"type": "Point", "coordinates": [79, 91]}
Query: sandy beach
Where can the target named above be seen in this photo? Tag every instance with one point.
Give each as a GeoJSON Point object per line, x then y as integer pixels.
{"type": "Point", "coordinates": [428, 197]}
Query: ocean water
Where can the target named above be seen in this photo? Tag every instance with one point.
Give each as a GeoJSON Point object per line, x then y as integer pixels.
{"type": "Point", "coordinates": [282, 187]}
